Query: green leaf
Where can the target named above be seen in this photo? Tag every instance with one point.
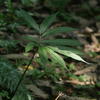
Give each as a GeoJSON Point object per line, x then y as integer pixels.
{"type": "Point", "coordinates": [47, 22]}
{"type": "Point", "coordinates": [71, 67]}
{"type": "Point", "coordinates": [83, 78]}
{"type": "Point", "coordinates": [43, 54]}
{"type": "Point", "coordinates": [30, 38]}
{"type": "Point", "coordinates": [25, 2]}
{"type": "Point", "coordinates": [58, 30]}
{"type": "Point", "coordinates": [56, 58]}
{"type": "Point", "coordinates": [61, 42]}
{"type": "Point", "coordinates": [68, 54]}
{"type": "Point", "coordinates": [72, 76]}
{"type": "Point", "coordinates": [29, 46]}
{"type": "Point", "coordinates": [8, 43]}
{"type": "Point", "coordinates": [28, 19]}
{"type": "Point", "coordinates": [9, 75]}
{"type": "Point", "coordinates": [98, 84]}
{"type": "Point", "coordinates": [76, 51]}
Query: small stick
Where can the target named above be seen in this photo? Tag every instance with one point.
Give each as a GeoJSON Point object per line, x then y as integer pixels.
{"type": "Point", "coordinates": [59, 95]}
{"type": "Point", "coordinates": [11, 97]}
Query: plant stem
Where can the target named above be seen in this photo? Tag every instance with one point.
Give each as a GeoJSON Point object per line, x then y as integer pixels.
{"type": "Point", "coordinates": [21, 78]}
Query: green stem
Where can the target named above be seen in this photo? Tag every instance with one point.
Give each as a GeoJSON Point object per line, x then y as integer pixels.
{"type": "Point", "coordinates": [21, 78]}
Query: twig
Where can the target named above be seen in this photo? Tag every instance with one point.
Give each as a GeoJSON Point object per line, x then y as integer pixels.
{"type": "Point", "coordinates": [83, 71]}
{"type": "Point", "coordinates": [13, 94]}
{"type": "Point", "coordinates": [59, 95]}
{"type": "Point", "coordinates": [15, 56]}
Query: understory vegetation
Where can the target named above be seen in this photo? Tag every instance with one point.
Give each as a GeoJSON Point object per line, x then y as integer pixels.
{"type": "Point", "coordinates": [49, 49]}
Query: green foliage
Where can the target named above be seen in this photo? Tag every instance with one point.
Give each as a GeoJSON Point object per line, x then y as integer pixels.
{"type": "Point", "coordinates": [9, 6]}
{"type": "Point", "coordinates": [8, 43]}
{"type": "Point", "coordinates": [51, 52]}
{"type": "Point", "coordinates": [29, 2]}
{"type": "Point", "coordinates": [92, 54]}
{"type": "Point", "coordinates": [2, 21]}
{"type": "Point", "coordinates": [58, 4]}
{"type": "Point", "coordinates": [9, 76]}
{"type": "Point", "coordinates": [98, 84]}
{"type": "Point", "coordinates": [49, 46]}
{"type": "Point", "coordinates": [71, 67]}
{"type": "Point", "coordinates": [23, 95]}
{"type": "Point", "coordinates": [57, 30]}
{"type": "Point", "coordinates": [26, 2]}
{"type": "Point", "coordinates": [47, 22]}
{"type": "Point", "coordinates": [46, 73]}
{"type": "Point", "coordinates": [28, 19]}
{"type": "Point", "coordinates": [2, 2]}
{"type": "Point", "coordinates": [69, 16]}
{"type": "Point", "coordinates": [7, 16]}
{"type": "Point", "coordinates": [29, 46]}
{"type": "Point", "coordinates": [83, 78]}
{"type": "Point", "coordinates": [4, 94]}
{"type": "Point", "coordinates": [56, 58]}
{"type": "Point", "coordinates": [85, 86]}
{"type": "Point", "coordinates": [68, 53]}
{"type": "Point", "coordinates": [76, 51]}
{"type": "Point", "coordinates": [62, 42]}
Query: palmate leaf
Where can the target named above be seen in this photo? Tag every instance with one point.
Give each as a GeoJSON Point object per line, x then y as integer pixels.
{"type": "Point", "coordinates": [60, 42]}
{"type": "Point", "coordinates": [57, 30]}
{"type": "Point", "coordinates": [68, 54]}
{"type": "Point", "coordinates": [47, 22]}
{"type": "Point", "coordinates": [28, 19]}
